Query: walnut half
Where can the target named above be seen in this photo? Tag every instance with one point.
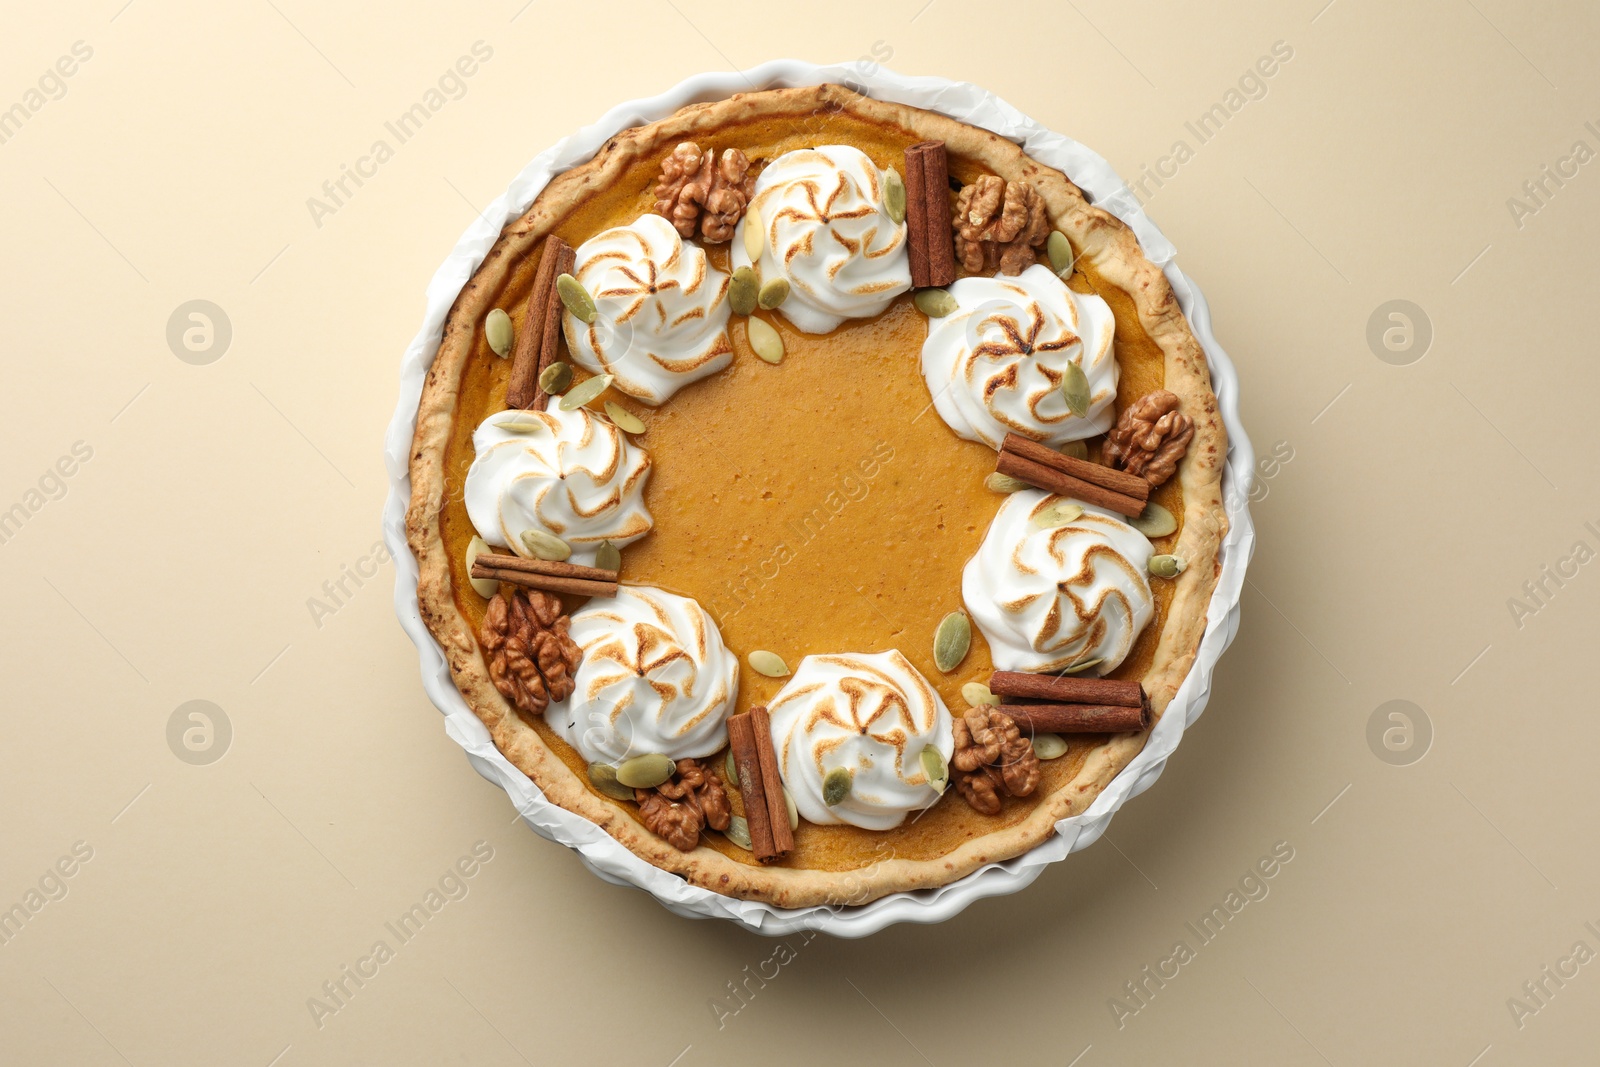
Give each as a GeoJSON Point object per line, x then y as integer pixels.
{"type": "Point", "coordinates": [697, 786]}
{"type": "Point", "coordinates": [698, 190]}
{"type": "Point", "coordinates": [992, 759]}
{"type": "Point", "coordinates": [676, 809]}
{"type": "Point", "coordinates": [531, 654]}
{"type": "Point", "coordinates": [677, 823]}
{"type": "Point", "coordinates": [981, 788]}
{"type": "Point", "coordinates": [1150, 438]}
{"type": "Point", "coordinates": [999, 224]}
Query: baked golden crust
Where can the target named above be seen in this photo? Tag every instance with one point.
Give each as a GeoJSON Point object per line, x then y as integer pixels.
{"type": "Point", "coordinates": [1100, 238]}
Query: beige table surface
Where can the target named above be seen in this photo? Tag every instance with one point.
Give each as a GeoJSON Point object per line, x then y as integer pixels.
{"type": "Point", "coordinates": [1417, 490]}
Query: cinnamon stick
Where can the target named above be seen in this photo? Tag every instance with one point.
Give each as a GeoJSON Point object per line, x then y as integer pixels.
{"type": "Point", "coordinates": [1043, 477]}
{"type": "Point", "coordinates": [930, 240]}
{"type": "Point", "coordinates": [916, 218]}
{"type": "Point", "coordinates": [1097, 473]}
{"type": "Point", "coordinates": [1068, 689]}
{"type": "Point", "coordinates": [550, 583]}
{"type": "Point", "coordinates": [545, 566]}
{"type": "Point", "coordinates": [742, 742]}
{"type": "Point", "coordinates": [941, 236]}
{"type": "Point", "coordinates": [771, 781]}
{"type": "Point", "coordinates": [1078, 718]}
{"type": "Point", "coordinates": [541, 326]}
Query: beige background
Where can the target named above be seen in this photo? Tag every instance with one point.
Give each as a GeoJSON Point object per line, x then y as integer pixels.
{"type": "Point", "coordinates": [179, 562]}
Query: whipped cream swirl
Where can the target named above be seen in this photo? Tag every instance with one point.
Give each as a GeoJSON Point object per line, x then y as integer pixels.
{"type": "Point", "coordinates": [569, 473]}
{"type": "Point", "coordinates": [1047, 599]}
{"type": "Point", "coordinates": [872, 714]}
{"type": "Point", "coordinates": [826, 230]}
{"type": "Point", "coordinates": [662, 310]}
{"type": "Point", "coordinates": [994, 365]}
{"type": "Point", "coordinates": [655, 677]}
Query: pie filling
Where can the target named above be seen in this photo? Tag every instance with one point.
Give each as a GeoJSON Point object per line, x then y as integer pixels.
{"type": "Point", "coordinates": [788, 456]}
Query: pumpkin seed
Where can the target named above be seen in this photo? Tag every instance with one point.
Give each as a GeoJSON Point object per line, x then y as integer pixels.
{"type": "Point", "coordinates": [738, 832]}
{"type": "Point", "coordinates": [765, 340]}
{"type": "Point", "coordinates": [624, 419]}
{"type": "Point", "coordinates": [755, 238]}
{"type": "Point", "coordinates": [556, 378]}
{"type": "Point", "coordinates": [576, 298]}
{"type": "Point", "coordinates": [768, 663]}
{"type": "Point", "coordinates": [937, 770]}
{"type": "Point", "coordinates": [497, 330]}
{"type": "Point", "coordinates": [519, 422]}
{"type": "Point", "coordinates": [730, 771]}
{"type": "Point", "coordinates": [1075, 390]}
{"type": "Point", "coordinates": [836, 785]}
{"type": "Point", "coordinates": [1075, 449]}
{"type": "Point", "coordinates": [794, 812]}
{"type": "Point", "coordinates": [894, 196]}
{"type": "Point", "coordinates": [1059, 249]}
{"type": "Point", "coordinates": [1060, 513]}
{"type": "Point", "coordinates": [951, 641]}
{"type": "Point", "coordinates": [484, 587]}
{"type": "Point", "coordinates": [743, 291]}
{"type": "Point", "coordinates": [1049, 746]}
{"type": "Point", "coordinates": [1154, 521]}
{"type": "Point", "coordinates": [977, 694]}
{"type": "Point", "coordinates": [608, 557]}
{"type": "Point", "coordinates": [773, 293]}
{"type": "Point", "coordinates": [1004, 483]}
{"type": "Point", "coordinates": [646, 771]}
{"type": "Point", "coordinates": [934, 303]}
{"type": "Point", "coordinates": [586, 391]}
{"type": "Point", "coordinates": [1166, 566]}
{"type": "Point", "coordinates": [603, 777]}
{"type": "Point", "coordinates": [1079, 668]}
{"type": "Point", "coordinates": [545, 545]}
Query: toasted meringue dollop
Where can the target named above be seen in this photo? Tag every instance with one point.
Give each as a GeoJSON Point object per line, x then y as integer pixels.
{"type": "Point", "coordinates": [826, 230]}
{"type": "Point", "coordinates": [995, 365]}
{"type": "Point", "coordinates": [1048, 599]}
{"type": "Point", "coordinates": [870, 714]}
{"type": "Point", "coordinates": [661, 310]}
{"type": "Point", "coordinates": [569, 473]}
{"type": "Point", "coordinates": [655, 677]}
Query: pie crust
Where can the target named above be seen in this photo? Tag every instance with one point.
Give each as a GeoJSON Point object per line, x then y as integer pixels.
{"type": "Point", "coordinates": [1103, 242]}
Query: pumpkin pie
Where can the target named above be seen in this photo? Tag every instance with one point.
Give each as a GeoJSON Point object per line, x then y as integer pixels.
{"type": "Point", "coordinates": [817, 494]}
